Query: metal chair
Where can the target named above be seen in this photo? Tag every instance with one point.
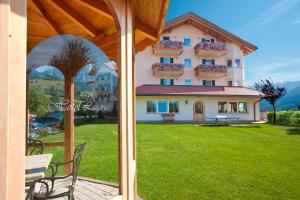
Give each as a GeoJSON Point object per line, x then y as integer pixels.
{"type": "Point", "coordinates": [60, 186]}
{"type": "Point", "coordinates": [34, 147]}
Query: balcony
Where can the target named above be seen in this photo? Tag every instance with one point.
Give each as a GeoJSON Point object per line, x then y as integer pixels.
{"type": "Point", "coordinates": [210, 71]}
{"type": "Point", "coordinates": [210, 49]}
{"type": "Point", "coordinates": [167, 70]}
{"type": "Point", "coordinates": [169, 48]}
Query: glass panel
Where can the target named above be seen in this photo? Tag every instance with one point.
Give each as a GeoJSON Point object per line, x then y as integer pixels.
{"type": "Point", "coordinates": [237, 62]}
{"type": "Point", "coordinates": [187, 62]}
{"type": "Point", "coordinates": [151, 107]}
{"type": "Point", "coordinates": [222, 107]}
{"type": "Point", "coordinates": [173, 107]}
{"type": "Point", "coordinates": [232, 107]}
{"type": "Point", "coordinates": [229, 83]}
{"type": "Point", "coordinates": [198, 108]}
{"type": "Point", "coordinates": [166, 38]}
{"type": "Point", "coordinates": [242, 107]}
{"type": "Point", "coordinates": [166, 60]}
{"type": "Point", "coordinates": [162, 106]}
{"type": "Point", "coordinates": [167, 81]}
{"type": "Point", "coordinates": [188, 82]}
{"type": "Point", "coordinates": [187, 42]}
{"type": "Point", "coordinates": [229, 63]}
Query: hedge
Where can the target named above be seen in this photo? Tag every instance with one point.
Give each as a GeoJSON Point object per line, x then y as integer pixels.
{"type": "Point", "coordinates": [285, 117]}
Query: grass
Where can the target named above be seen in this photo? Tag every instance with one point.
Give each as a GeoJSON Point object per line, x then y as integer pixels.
{"type": "Point", "coordinates": [199, 162]}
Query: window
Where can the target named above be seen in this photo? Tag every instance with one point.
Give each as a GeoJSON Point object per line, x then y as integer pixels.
{"type": "Point", "coordinates": [187, 63]}
{"type": "Point", "coordinates": [209, 83]}
{"type": "Point", "coordinates": [208, 62]}
{"type": "Point", "coordinates": [232, 107]}
{"type": "Point", "coordinates": [237, 63]}
{"type": "Point", "coordinates": [188, 82]}
{"type": "Point", "coordinates": [167, 81]}
{"type": "Point", "coordinates": [237, 83]}
{"type": "Point", "coordinates": [173, 107]}
{"type": "Point", "coordinates": [229, 63]}
{"type": "Point", "coordinates": [166, 60]}
{"type": "Point", "coordinates": [162, 106]}
{"type": "Point", "coordinates": [151, 106]}
{"type": "Point", "coordinates": [229, 83]}
{"type": "Point", "coordinates": [242, 107]}
{"type": "Point", "coordinates": [187, 42]}
{"type": "Point", "coordinates": [166, 38]}
{"type": "Point", "coordinates": [222, 107]}
{"type": "Point", "coordinates": [207, 40]}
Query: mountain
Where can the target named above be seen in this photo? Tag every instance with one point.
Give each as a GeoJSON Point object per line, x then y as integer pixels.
{"type": "Point", "coordinates": [288, 102]}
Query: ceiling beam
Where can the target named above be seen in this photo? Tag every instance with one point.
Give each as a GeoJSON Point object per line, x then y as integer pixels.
{"type": "Point", "coordinates": [146, 30]}
{"type": "Point", "coordinates": [75, 17]}
{"type": "Point", "coordinates": [97, 6]}
{"type": "Point", "coordinates": [50, 21]}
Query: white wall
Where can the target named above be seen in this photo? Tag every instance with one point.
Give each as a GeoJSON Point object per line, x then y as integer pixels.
{"type": "Point", "coordinates": [145, 59]}
{"type": "Point", "coordinates": [186, 110]}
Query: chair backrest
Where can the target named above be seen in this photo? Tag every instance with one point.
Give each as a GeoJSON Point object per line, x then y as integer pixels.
{"type": "Point", "coordinates": [34, 147]}
{"type": "Point", "coordinates": [76, 161]}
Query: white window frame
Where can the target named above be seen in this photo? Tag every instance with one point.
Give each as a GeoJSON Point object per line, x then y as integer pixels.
{"type": "Point", "coordinates": [187, 38]}
{"type": "Point", "coordinates": [168, 106]}
{"type": "Point", "coordinates": [237, 102]}
{"type": "Point", "coordinates": [187, 59]}
{"type": "Point", "coordinates": [184, 81]}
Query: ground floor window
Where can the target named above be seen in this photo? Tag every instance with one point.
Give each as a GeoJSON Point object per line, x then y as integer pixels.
{"type": "Point", "coordinates": [232, 107]}
{"type": "Point", "coordinates": [162, 106]}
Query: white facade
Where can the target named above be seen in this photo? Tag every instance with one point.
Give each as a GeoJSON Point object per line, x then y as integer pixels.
{"type": "Point", "coordinates": [232, 59]}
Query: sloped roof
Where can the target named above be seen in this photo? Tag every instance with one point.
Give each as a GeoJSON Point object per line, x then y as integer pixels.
{"type": "Point", "coordinates": [192, 90]}
{"type": "Point", "coordinates": [209, 28]}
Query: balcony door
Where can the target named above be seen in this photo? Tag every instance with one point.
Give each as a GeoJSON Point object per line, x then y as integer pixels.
{"type": "Point", "coordinates": [198, 111]}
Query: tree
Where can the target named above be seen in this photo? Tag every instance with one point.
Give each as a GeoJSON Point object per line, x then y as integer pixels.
{"type": "Point", "coordinates": [38, 101]}
{"type": "Point", "coordinates": [271, 93]}
{"type": "Point", "coordinates": [74, 55]}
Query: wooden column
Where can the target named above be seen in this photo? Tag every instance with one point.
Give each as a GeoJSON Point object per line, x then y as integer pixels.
{"type": "Point", "coordinates": [13, 22]}
{"type": "Point", "coordinates": [126, 71]}
{"type": "Point", "coordinates": [69, 121]}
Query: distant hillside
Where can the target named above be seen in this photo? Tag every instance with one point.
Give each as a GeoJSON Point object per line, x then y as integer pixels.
{"type": "Point", "coordinates": [290, 100]}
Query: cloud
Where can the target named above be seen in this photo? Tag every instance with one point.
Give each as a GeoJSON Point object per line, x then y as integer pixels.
{"type": "Point", "coordinates": [296, 22]}
{"type": "Point", "coordinates": [270, 14]}
{"type": "Point", "coordinates": [279, 71]}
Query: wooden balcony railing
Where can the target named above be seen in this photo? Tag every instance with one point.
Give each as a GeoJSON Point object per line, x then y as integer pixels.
{"type": "Point", "coordinates": [210, 71]}
{"type": "Point", "coordinates": [214, 49]}
{"type": "Point", "coordinates": [168, 47]}
{"type": "Point", "coordinates": [167, 69]}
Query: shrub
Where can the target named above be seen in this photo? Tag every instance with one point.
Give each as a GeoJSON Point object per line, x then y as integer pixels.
{"type": "Point", "coordinates": [285, 117]}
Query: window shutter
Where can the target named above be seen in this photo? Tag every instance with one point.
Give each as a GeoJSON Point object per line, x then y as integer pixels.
{"type": "Point", "coordinates": [161, 60]}
{"type": "Point", "coordinates": [171, 60]}
{"type": "Point", "coordinates": [213, 83]}
{"type": "Point", "coordinates": [204, 82]}
{"type": "Point", "coordinates": [162, 81]}
{"type": "Point", "coordinates": [172, 81]}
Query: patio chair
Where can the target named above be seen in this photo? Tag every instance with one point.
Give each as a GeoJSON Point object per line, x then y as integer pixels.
{"type": "Point", "coordinates": [34, 147]}
{"type": "Point", "coordinates": [60, 186]}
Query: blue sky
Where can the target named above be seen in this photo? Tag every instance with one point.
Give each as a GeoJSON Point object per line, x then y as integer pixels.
{"type": "Point", "coordinates": [272, 25]}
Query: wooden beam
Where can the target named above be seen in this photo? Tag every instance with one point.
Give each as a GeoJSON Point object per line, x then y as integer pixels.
{"type": "Point", "coordinates": [97, 6]}
{"type": "Point", "coordinates": [69, 121]}
{"type": "Point", "coordinates": [13, 32]}
{"type": "Point", "coordinates": [54, 144]}
{"type": "Point", "coordinates": [75, 17]}
{"type": "Point", "coordinates": [50, 21]}
{"type": "Point", "coordinates": [146, 30]}
{"type": "Point", "coordinates": [102, 40]}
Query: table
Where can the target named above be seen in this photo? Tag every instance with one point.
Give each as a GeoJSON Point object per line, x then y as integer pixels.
{"type": "Point", "coordinates": [36, 166]}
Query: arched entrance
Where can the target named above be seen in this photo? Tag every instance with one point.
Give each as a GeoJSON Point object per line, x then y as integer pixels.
{"type": "Point", "coordinates": [198, 114]}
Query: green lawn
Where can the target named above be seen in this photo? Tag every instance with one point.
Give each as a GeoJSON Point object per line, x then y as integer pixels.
{"type": "Point", "coordinates": [194, 162]}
